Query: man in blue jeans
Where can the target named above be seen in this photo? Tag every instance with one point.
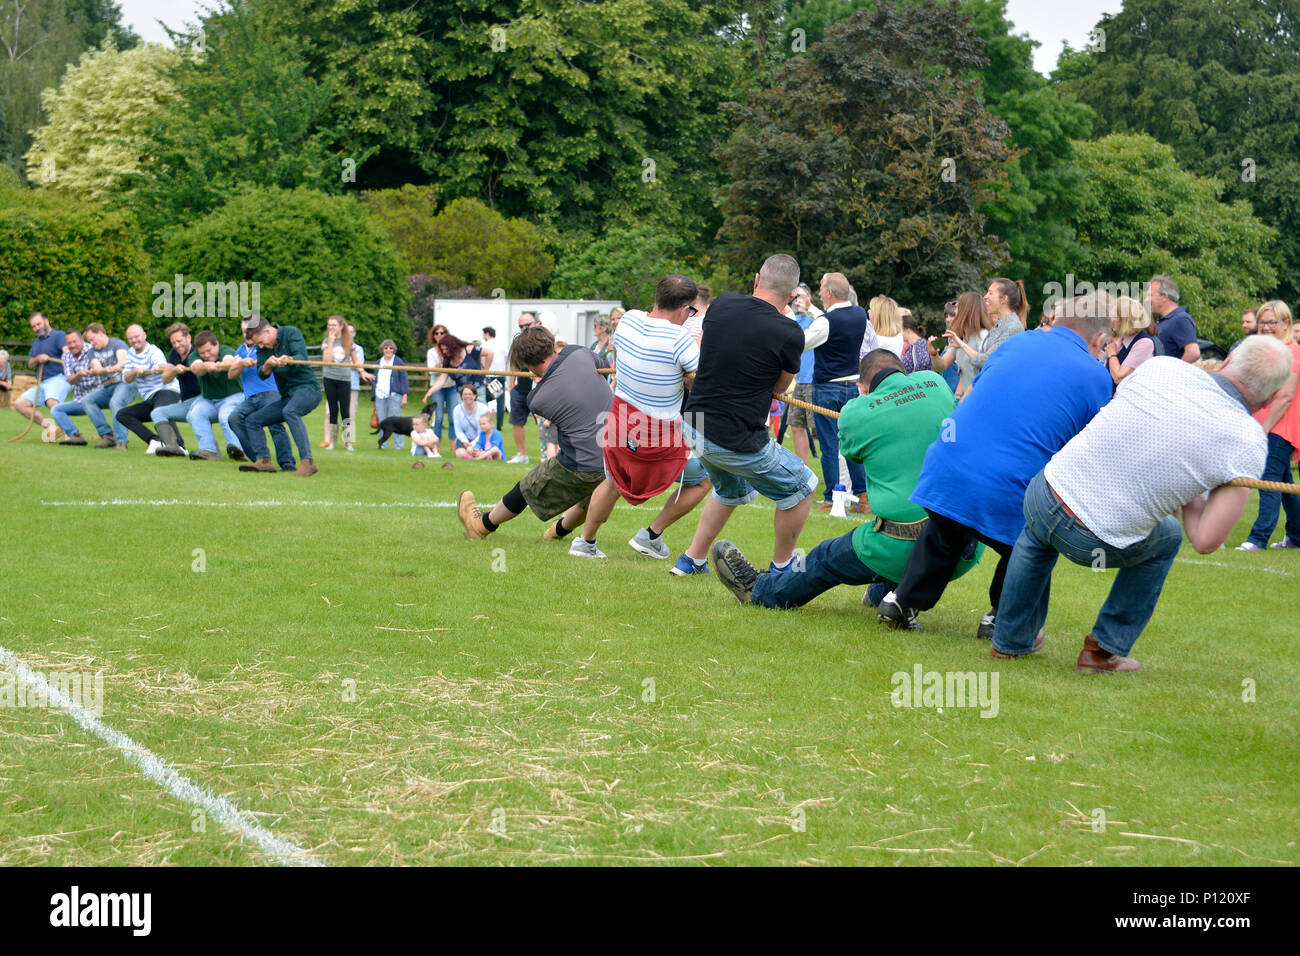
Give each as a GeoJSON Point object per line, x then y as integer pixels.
{"type": "Point", "coordinates": [836, 338]}
{"type": "Point", "coordinates": [265, 406]}
{"type": "Point", "coordinates": [108, 359]}
{"type": "Point", "coordinates": [1108, 499]}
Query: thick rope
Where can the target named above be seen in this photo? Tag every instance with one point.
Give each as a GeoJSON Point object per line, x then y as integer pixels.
{"type": "Point", "coordinates": [424, 368]}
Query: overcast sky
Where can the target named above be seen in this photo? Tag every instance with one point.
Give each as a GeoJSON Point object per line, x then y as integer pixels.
{"type": "Point", "coordinates": [1047, 21]}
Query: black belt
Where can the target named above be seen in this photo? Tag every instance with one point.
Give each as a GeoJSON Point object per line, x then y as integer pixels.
{"type": "Point", "coordinates": [902, 532]}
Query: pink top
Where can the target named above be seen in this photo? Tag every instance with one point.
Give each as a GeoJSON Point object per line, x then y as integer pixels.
{"type": "Point", "coordinates": [1288, 426]}
{"type": "Point", "coordinates": [1143, 350]}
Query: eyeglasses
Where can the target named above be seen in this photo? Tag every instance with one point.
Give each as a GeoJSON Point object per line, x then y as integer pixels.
{"type": "Point", "coordinates": [948, 306]}
{"type": "Point", "coordinates": [1266, 323]}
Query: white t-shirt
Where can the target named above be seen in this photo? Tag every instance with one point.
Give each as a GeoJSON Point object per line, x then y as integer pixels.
{"type": "Point", "coordinates": [384, 378]}
{"type": "Point", "coordinates": [1170, 434]}
{"type": "Point", "coordinates": [894, 343]}
{"type": "Point", "coordinates": [498, 355]}
{"type": "Point", "coordinates": [652, 356]}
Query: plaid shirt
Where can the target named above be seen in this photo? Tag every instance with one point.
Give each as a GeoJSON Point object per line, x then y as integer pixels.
{"type": "Point", "coordinates": [80, 363]}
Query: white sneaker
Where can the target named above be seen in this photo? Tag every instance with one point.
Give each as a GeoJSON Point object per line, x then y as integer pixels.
{"type": "Point", "coordinates": [582, 548]}
{"type": "Point", "coordinates": [1249, 546]}
{"type": "Point", "coordinates": [651, 547]}
{"type": "Point", "coordinates": [49, 431]}
{"type": "Point", "coordinates": [517, 460]}
{"type": "Point", "coordinates": [434, 454]}
{"type": "Point", "coordinates": [154, 445]}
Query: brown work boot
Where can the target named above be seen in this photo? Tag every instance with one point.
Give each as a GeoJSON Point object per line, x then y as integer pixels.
{"type": "Point", "coordinates": [1094, 659]}
{"type": "Point", "coordinates": [205, 455]}
{"type": "Point", "coordinates": [863, 506]}
{"type": "Point", "coordinates": [262, 464]}
{"type": "Point", "coordinates": [470, 517]}
{"type": "Point", "coordinates": [106, 442]}
{"type": "Point", "coordinates": [306, 467]}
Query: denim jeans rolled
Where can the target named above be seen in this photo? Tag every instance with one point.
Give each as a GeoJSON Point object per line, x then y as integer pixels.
{"type": "Point", "coordinates": [1277, 467]}
{"type": "Point", "coordinates": [387, 408]}
{"type": "Point", "coordinates": [251, 438]}
{"type": "Point", "coordinates": [444, 400]}
{"type": "Point", "coordinates": [830, 563]}
{"type": "Point", "coordinates": [835, 395]}
{"type": "Point", "coordinates": [61, 413]}
{"type": "Point", "coordinates": [204, 412]}
{"type": "Point", "coordinates": [114, 397]}
{"type": "Point", "coordinates": [1050, 531]}
{"type": "Point", "coordinates": [290, 411]}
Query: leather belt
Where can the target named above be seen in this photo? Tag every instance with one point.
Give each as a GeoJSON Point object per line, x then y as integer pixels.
{"type": "Point", "coordinates": [902, 532]}
{"type": "Point", "coordinates": [1068, 510]}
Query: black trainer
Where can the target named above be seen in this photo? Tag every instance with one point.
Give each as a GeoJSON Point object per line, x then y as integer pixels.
{"type": "Point", "coordinates": [736, 574]}
{"type": "Point", "coordinates": [987, 623]}
{"type": "Point", "coordinates": [895, 615]}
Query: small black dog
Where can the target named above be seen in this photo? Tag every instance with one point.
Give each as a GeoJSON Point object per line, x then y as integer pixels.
{"type": "Point", "coordinates": [392, 425]}
{"type": "Point", "coordinates": [399, 425]}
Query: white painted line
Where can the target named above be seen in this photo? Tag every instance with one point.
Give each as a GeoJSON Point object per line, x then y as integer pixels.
{"type": "Point", "coordinates": [178, 502]}
{"type": "Point", "coordinates": [1244, 568]}
{"type": "Point", "coordinates": [162, 773]}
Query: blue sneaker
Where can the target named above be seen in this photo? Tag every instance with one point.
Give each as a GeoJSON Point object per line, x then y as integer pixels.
{"type": "Point", "coordinates": [796, 564]}
{"type": "Point", "coordinates": [686, 566]}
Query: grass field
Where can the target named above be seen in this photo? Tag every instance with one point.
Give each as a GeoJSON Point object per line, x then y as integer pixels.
{"type": "Point", "coordinates": [333, 657]}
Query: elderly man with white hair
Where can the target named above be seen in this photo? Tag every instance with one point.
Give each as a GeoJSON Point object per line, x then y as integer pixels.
{"type": "Point", "coordinates": [1163, 449]}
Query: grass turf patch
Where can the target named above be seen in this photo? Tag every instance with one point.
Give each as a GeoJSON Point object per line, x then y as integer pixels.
{"type": "Point", "coordinates": [334, 657]}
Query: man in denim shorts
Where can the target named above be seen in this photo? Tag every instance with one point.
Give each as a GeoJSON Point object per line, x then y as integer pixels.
{"type": "Point", "coordinates": [748, 352]}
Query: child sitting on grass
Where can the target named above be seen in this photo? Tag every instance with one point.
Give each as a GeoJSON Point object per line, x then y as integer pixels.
{"type": "Point", "coordinates": [423, 440]}
{"type": "Point", "coordinates": [488, 444]}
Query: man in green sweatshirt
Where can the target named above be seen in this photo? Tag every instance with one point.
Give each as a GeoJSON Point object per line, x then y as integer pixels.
{"type": "Point", "coordinates": [888, 428]}
{"type": "Point", "coordinates": [299, 390]}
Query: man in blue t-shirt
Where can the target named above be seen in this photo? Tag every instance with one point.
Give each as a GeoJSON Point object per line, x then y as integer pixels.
{"type": "Point", "coordinates": [1177, 331]}
{"type": "Point", "coordinates": [52, 388]}
{"type": "Point", "coordinates": [1036, 393]}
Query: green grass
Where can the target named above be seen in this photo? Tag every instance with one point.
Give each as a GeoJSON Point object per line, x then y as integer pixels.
{"type": "Point", "coordinates": [502, 711]}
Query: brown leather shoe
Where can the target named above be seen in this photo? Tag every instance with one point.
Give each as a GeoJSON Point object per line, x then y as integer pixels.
{"type": "Point", "coordinates": [863, 506]}
{"type": "Point", "coordinates": [1039, 641]}
{"type": "Point", "coordinates": [825, 507]}
{"type": "Point", "coordinates": [467, 511]}
{"type": "Point", "coordinates": [262, 464]}
{"type": "Point", "coordinates": [306, 468]}
{"type": "Point", "coordinates": [1093, 659]}
{"type": "Point", "coordinates": [72, 440]}
{"type": "Point", "coordinates": [205, 456]}
{"type": "Point", "coordinates": [106, 442]}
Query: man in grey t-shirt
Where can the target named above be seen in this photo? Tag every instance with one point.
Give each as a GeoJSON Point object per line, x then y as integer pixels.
{"type": "Point", "coordinates": [575, 397]}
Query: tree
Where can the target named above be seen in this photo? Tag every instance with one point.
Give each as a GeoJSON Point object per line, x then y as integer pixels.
{"type": "Point", "coordinates": [572, 114]}
{"type": "Point", "coordinates": [98, 118]}
{"type": "Point", "coordinates": [1142, 214]}
{"type": "Point", "coordinates": [466, 244]}
{"type": "Point", "coordinates": [312, 256]}
{"type": "Point", "coordinates": [623, 265]}
{"type": "Point", "coordinates": [252, 115]}
{"type": "Point", "coordinates": [1033, 209]}
{"type": "Point", "coordinates": [871, 156]}
{"type": "Point", "coordinates": [37, 39]}
{"type": "Point", "coordinates": [1219, 82]}
{"type": "Point", "coordinates": [74, 260]}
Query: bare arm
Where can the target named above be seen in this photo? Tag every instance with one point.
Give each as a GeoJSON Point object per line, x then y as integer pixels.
{"type": "Point", "coordinates": [1192, 353]}
{"type": "Point", "coordinates": [1280, 404]}
{"type": "Point", "coordinates": [1209, 521]}
{"type": "Point", "coordinates": [784, 382]}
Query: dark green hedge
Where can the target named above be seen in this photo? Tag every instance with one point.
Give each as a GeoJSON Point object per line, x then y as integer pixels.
{"type": "Point", "coordinates": [74, 261]}
{"type": "Point", "coordinates": [312, 256]}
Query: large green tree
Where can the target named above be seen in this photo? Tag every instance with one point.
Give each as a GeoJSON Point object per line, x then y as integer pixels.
{"type": "Point", "coordinates": [577, 114]}
{"type": "Point", "coordinates": [1217, 80]}
{"type": "Point", "coordinates": [871, 155]}
{"type": "Point", "coordinates": [38, 38]}
{"type": "Point", "coordinates": [1142, 214]}
{"type": "Point", "coordinates": [1033, 210]}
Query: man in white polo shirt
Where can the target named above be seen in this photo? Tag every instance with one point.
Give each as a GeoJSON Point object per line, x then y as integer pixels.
{"type": "Point", "coordinates": [642, 441]}
{"type": "Point", "coordinates": [1171, 434]}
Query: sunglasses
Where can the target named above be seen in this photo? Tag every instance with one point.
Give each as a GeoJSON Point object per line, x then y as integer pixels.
{"type": "Point", "coordinates": [692, 312]}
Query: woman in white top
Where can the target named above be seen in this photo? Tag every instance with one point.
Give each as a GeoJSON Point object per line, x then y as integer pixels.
{"type": "Point", "coordinates": [888, 323]}
{"type": "Point", "coordinates": [464, 418]}
{"type": "Point", "coordinates": [336, 347]}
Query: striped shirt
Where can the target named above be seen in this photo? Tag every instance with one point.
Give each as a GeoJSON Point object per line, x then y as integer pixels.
{"type": "Point", "coordinates": [652, 355]}
{"type": "Point", "coordinates": [148, 384]}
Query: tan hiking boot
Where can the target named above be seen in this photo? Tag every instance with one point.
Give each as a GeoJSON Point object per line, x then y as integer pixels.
{"type": "Point", "coordinates": [306, 467]}
{"type": "Point", "coordinates": [106, 442]}
{"type": "Point", "coordinates": [471, 517]}
{"type": "Point", "coordinates": [262, 464]}
{"type": "Point", "coordinates": [1095, 659]}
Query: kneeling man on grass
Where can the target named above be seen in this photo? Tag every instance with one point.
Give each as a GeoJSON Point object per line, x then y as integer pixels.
{"type": "Point", "coordinates": [887, 428]}
{"type": "Point", "coordinates": [574, 397]}
{"type": "Point", "coordinates": [1172, 433]}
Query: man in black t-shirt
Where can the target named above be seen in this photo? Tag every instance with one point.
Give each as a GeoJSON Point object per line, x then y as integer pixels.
{"type": "Point", "coordinates": [748, 352]}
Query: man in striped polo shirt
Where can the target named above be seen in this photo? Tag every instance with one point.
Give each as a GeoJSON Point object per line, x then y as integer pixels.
{"type": "Point", "coordinates": [145, 364]}
{"type": "Point", "coordinates": [642, 441]}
